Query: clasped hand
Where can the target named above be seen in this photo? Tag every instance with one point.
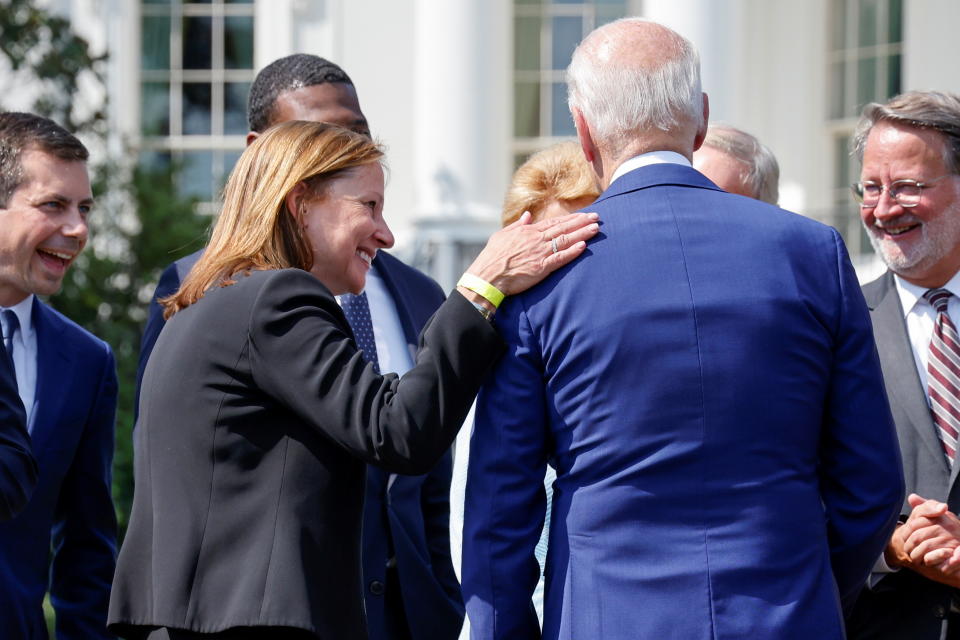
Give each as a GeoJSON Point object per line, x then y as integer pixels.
{"type": "Point", "coordinates": [928, 542]}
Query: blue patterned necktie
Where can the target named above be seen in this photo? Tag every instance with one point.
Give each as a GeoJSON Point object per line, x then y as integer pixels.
{"type": "Point", "coordinates": [357, 310]}
{"type": "Point", "coordinates": [10, 324]}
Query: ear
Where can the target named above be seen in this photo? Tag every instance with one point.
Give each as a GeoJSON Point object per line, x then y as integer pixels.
{"type": "Point", "coordinates": [584, 136]}
{"type": "Point", "coordinates": [295, 200]}
{"type": "Point", "coordinates": [251, 136]}
{"type": "Point", "coordinates": [702, 131]}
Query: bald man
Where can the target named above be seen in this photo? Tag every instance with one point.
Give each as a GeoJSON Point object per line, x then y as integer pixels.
{"type": "Point", "coordinates": [705, 385]}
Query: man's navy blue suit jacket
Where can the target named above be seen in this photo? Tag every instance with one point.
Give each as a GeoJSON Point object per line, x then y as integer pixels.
{"type": "Point", "coordinates": [64, 540]}
{"type": "Point", "coordinates": [414, 513]}
{"type": "Point", "coordinates": [705, 383]}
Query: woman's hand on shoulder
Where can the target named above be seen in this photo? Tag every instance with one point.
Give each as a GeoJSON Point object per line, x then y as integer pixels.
{"type": "Point", "coordinates": [524, 253]}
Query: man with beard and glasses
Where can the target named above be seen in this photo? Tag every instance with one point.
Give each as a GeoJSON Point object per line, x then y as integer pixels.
{"type": "Point", "coordinates": [909, 191]}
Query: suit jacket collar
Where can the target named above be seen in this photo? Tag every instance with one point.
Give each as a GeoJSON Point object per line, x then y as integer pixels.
{"type": "Point", "coordinates": [896, 355]}
{"type": "Point", "coordinates": [657, 175]}
{"type": "Point", "coordinates": [55, 368]}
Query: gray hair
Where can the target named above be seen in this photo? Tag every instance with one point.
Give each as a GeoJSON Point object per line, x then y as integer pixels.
{"type": "Point", "coordinates": [619, 101]}
{"type": "Point", "coordinates": [934, 110]}
{"type": "Point", "coordinates": [762, 175]}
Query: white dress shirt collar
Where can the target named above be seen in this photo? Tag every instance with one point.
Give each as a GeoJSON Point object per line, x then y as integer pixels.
{"type": "Point", "coordinates": [910, 294]}
{"type": "Point", "coordinates": [920, 318]}
{"type": "Point", "coordinates": [651, 157]}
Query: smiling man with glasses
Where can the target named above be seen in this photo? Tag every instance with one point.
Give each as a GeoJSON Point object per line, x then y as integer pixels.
{"type": "Point", "coordinates": [909, 194]}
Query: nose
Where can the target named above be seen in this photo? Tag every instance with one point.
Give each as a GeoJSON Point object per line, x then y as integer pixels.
{"type": "Point", "coordinates": [887, 206]}
{"type": "Point", "coordinates": [383, 235]}
{"type": "Point", "coordinates": [75, 226]}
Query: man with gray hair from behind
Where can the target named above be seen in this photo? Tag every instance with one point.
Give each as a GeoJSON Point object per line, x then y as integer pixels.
{"type": "Point", "coordinates": [705, 385]}
{"type": "Point", "coordinates": [738, 163]}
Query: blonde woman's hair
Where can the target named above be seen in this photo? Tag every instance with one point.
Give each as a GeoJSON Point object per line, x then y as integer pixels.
{"type": "Point", "coordinates": [557, 173]}
{"type": "Point", "coordinates": [255, 229]}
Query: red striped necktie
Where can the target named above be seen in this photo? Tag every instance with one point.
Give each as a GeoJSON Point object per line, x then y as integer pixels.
{"type": "Point", "coordinates": [943, 374]}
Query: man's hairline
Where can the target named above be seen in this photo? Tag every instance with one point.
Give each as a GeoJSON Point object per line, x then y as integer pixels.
{"type": "Point", "coordinates": [272, 120]}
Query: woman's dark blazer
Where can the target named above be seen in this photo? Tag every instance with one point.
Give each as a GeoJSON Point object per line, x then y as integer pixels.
{"type": "Point", "coordinates": [257, 416]}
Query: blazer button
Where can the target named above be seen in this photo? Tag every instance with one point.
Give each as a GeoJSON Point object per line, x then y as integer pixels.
{"type": "Point", "coordinates": [376, 588]}
{"type": "Point", "coordinates": [940, 611]}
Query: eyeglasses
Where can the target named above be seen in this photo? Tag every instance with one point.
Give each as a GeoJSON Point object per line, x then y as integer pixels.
{"type": "Point", "coordinates": [905, 192]}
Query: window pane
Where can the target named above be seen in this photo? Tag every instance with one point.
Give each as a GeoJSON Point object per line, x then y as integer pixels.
{"type": "Point", "coordinates": [155, 42]}
{"type": "Point", "coordinates": [196, 178]}
{"type": "Point", "coordinates": [519, 159]}
{"type": "Point", "coordinates": [867, 22]}
{"type": "Point", "coordinates": [562, 124]}
{"type": "Point", "coordinates": [196, 108]}
{"type": "Point", "coordinates": [526, 109]}
{"type": "Point", "coordinates": [895, 26]}
{"type": "Point", "coordinates": [893, 76]}
{"type": "Point", "coordinates": [154, 161]}
{"type": "Point", "coordinates": [838, 23]}
{"type": "Point", "coordinates": [197, 42]}
{"type": "Point", "coordinates": [567, 33]}
{"type": "Point", "coordinates": [235, 107]}
{"type": "Point", "coordinates": [838, 90]}
{"type": "Point", "coordinates": [229, 161]}
{"type": "Point", "coordinates": [526, 44]}
{"type": "Point", "coordinates": [608, 13]}
{"type": "Point", "coordinates": [866, 82]}
{"type": "Point", "coordinates": [841, 155]}
{"type": "Point", "coordinates": [238, 42]}
{"type": "Point", "coordinates": [155, 108]}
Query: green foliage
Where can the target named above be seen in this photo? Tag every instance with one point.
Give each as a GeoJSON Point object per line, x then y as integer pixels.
{"type": "Point", "coordinates": [140, 230]}
{"type": "Point", "coordinates": [43, 46]}
{"type": "Point", "coordinates": [139, 224]}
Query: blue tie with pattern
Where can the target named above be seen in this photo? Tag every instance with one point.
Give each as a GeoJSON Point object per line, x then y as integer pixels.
{"type": "Point", "coordinates": [10, 323]}
{"type": "Point", "coordinates": [357, 310]}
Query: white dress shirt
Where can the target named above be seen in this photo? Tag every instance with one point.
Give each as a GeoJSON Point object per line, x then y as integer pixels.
{"type": "Point", "coordinates": [651, 157]}
{"type": "Point", "coordinates": [25, 355]}
{"type": "Point", "coordinates": [393, 351]}
{"type": "Point", "coordinates": [920, 317]}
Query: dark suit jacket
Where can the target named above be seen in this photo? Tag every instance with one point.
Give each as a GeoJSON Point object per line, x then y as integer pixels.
{"type": "Point", "coordinates": [18, 469]}
{"type": "Point", "coordinates": [904, 605]}
{"type": "Point", "coordinates": [417, 508]}
{"type": "Point", "coordinates": [71, 508]}
{"type": "Point", "coordinates": [257, 418]}
{"type": "Point", "coordinates": [707, 388]}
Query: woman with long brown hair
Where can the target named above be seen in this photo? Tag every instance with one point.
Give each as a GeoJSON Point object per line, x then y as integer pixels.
{"type": "Point", "coordinates": [258, 414]}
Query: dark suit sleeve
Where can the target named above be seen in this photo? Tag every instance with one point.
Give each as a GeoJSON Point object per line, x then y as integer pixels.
{"type": "Point", "coordinates": [85, 526]}
{"type": "Point", "coordinates": [301, 356]}
{"type": "Point", "coordinates": [505, 499]}
{"type": "Point", "coordinates": [435, 504]}
{"type": "Point", "coordinates": [861, 477]}
{"type": "Point", "coordinates": [18, 469]}
{"type": "Point", "coordinates": [168, 285]}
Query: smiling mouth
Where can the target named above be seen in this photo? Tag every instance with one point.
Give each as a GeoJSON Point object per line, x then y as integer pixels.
{"type": "Point", "coordinates": [58, 258]}
{"type": "Point", "coordinates": [366, 257]}
{"type": "Point", "coordinates": [898, 230]}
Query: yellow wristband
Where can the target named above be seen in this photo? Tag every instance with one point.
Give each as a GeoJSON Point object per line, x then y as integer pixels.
{"type": "Point", "coordinates": [481, 287]}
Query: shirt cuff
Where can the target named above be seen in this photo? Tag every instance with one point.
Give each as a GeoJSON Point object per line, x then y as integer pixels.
{"type": "Point", "coordinates": [880, 571]}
